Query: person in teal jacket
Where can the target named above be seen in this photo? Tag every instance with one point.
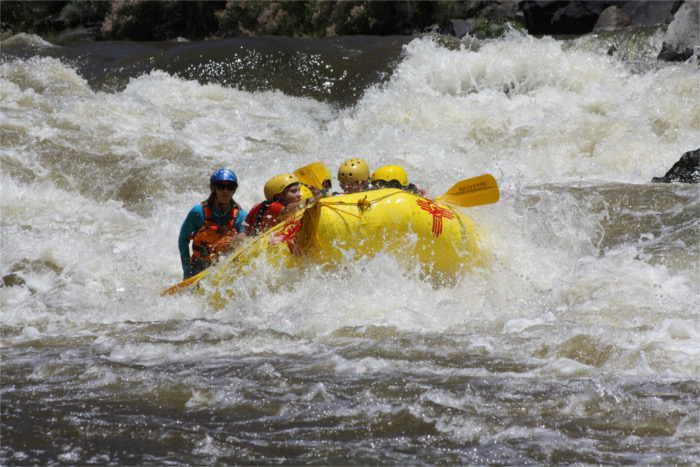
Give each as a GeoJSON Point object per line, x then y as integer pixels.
{"type": "Point", "coordinates": [213, 226]}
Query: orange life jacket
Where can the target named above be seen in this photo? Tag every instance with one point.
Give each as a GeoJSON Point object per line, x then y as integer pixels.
{"type": "Point", "coordinates": [213, 239]}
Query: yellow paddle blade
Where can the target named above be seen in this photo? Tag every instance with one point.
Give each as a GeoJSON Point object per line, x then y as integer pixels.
{"type": "Point", "coordinates": [472, 192]}
{"type": "Point", "coordinates": [313, 174]}
{"type": "Point", "coordinates": [194, 280]}
{"type": "Point", "coordinates": [175, 289]}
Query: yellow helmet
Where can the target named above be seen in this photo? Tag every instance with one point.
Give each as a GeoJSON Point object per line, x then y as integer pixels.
{"type": "Point", "coordinates": [389, 173]}
{"type": "Point", "coordinates": [306, 193]}
{"type": "Point", "coordinates": [353, 170]}
{"type": "Point", "coordinates": [277, 185]}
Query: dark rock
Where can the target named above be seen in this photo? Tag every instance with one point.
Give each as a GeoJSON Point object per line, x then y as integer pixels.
{"type": "Point", "coordinates": [482, 15]}
{"type": "Point", "coordinates": [562, 17]}
{"type": "Point", "coordinates": [472, 8]}
{"type": "Point", "coordinates": [686, 170]}
{"type": "Point", "coordinates": [612, 18]}
{"type": "Point", "coordinates": [434, 29]}
{"type": "Point", "coordinates": [12, 280]}
{"type": "Point", "coordinates": [493, 14]}
{"type": "Point", "coordinates": [459, 27]}
{"type": "Point", "coordinates": [683, 34]}
{"type": "Point", "coordinates": [650, 13]}
{"type": "Point", "coordinates": [483, 19]}
{"type": "Point", "coordinates": [580, 17]}
{"type": "Point", "coordinates": [509, 8]}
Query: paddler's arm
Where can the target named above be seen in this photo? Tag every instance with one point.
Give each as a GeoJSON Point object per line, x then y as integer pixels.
{"type": "Point", "coordinates": [318, 194]}
{"type": "Point", "coordinates": [291, 209]}
{"type": "Point", "coordinates": [238, 238]}
{"type": "Point", "coordinates": [240, 227]}
{"type": "Point", "coordinates": [240, 224]}
{"type": "Point", "coordinates": [193, 222]}
{"type": "Point", "coordinates": [232, 240]}
{"type": "Point", "coordinates": [228, 243]}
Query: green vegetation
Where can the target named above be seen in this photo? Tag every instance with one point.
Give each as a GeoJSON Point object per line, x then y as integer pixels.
{"type": "Point", "coordinates": [141, 20]}
{"type": "Point", "coordinates": [83, 13]}
{"type": "Point", "coordinates": [23, 16]}
{"type": "Point", "coordinates": [145, 20]}
{"type": "Point", "coordinates": [486, 29]}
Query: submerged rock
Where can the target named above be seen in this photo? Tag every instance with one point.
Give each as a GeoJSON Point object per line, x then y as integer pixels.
{"type": "Point", "coordinates": [686, 170]}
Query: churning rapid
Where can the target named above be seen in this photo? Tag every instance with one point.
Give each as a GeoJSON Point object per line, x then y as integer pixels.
{"type": "Point", "coordinates": [577, 341]}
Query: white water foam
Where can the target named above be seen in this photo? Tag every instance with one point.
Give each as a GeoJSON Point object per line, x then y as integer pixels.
{"type": "Point", "coordinates": [95, 186]}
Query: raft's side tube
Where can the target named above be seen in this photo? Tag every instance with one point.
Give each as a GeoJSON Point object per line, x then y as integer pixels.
{"type": "Point", "coordinates": [417, 230]}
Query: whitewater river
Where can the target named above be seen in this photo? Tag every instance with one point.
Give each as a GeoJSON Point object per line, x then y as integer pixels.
{"type": "Point", "coordinates": [576, 342]}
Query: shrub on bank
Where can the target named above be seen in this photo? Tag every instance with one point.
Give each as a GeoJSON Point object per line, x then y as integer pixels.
{"type": "Point", "coordinates": [146, 20]}
{"type": "Point", "coordinates": [321, 18]}
{"type": "Point", "coordinates": [142, 20]}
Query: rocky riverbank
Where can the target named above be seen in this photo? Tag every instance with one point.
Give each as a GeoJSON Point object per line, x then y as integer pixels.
{"type": "Point", "coordinates": [142, 20]}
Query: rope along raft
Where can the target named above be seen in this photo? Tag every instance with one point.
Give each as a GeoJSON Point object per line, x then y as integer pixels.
{"type": "Point", "coordinates": [416, 230]}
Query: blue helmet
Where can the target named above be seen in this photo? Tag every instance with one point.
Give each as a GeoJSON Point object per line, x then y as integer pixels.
{"type": "Point", "coordinates": [223, 175]}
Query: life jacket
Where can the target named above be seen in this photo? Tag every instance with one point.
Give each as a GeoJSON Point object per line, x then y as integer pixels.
{"type": "Point", "coordinates": [213, 239]}
{"type": "Point", "coordinates": [259, 215]}
{"type": "Point", "coordinates": [256, 218]}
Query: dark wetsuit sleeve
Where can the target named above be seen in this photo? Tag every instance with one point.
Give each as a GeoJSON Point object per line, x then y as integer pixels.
{"type": "Point", "coordinates": [240, 219]}
{"type": "Point", "coordinates": [193, 222]}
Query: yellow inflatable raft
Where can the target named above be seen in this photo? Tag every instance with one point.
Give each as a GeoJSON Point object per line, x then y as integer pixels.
{"type": "Point", "coordinates": [414, 229]}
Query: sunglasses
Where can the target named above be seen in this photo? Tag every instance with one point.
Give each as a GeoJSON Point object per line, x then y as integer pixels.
{"type": "Point", "coordinates": [226, 186]}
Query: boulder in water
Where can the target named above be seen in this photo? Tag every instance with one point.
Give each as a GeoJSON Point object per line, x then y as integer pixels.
{"type": "Point", "coordinates": [558, 17]}
{"type": "Point", "coordinates": [612, 18]}
{"type": "Point", "coordinates": [650, 12]}
{"type": "Point", "coordinates": [580, 17]}
{"type": "Point", "coordinates": [683, 35]}
{"type": "Point", "coordinates": [686, 170]}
